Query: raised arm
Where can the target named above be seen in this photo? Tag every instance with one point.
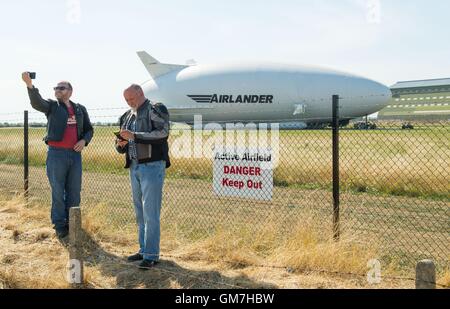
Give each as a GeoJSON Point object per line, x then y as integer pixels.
{"type": "Point", "coordinates": [37, 102]}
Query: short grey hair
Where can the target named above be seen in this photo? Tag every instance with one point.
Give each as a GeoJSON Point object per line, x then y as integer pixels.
{"type": "Point", "coordinates": [135, 87]}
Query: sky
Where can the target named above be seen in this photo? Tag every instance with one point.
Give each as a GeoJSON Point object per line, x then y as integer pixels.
{"type": "Point", "coordinates": [93, 43]}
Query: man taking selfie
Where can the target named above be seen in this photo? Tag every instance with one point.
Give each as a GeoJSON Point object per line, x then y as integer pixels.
{"type": "Point", "coordinates": [69, 130]}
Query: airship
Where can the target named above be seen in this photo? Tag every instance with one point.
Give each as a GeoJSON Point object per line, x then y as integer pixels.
{"type": "Point", "coordinates": [294, 96]}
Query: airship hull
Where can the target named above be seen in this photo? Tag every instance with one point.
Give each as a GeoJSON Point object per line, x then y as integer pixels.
{"type": "Point", "coordinates": [263, 93]}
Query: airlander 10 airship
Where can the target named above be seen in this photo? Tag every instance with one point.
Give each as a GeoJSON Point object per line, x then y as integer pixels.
{"type": "Point", "coordinates": [291, 95]}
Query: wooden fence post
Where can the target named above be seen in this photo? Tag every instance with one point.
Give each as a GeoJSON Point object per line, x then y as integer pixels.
{"type": "Point", "coordinates": [75, 273]}
{"type": "Point", "coordinates": [425, 275]}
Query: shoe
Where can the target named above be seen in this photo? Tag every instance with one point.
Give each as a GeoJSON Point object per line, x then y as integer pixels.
{"type": "Point", "coordinates": [135, 257]}
{"type": "Point", "coordinates": [147, 264]}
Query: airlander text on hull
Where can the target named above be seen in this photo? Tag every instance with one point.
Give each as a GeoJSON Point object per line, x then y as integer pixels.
{"type": "Point", "coordinates": [215, 98]}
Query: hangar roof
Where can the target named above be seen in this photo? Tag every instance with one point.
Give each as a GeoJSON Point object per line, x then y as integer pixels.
{"type": "Point", "coordinates": [422, 83]}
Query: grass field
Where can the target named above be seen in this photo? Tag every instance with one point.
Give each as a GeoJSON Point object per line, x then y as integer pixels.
{"type": "Point", "coordinates": [383, 162]}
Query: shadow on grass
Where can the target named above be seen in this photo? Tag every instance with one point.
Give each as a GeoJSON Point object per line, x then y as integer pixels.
{"type": "Point", "coordinates": [165, 275]}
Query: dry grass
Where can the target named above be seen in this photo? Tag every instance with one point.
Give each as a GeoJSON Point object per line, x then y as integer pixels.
{"type": "Point", "coordinates": [402, 184]}
{"type": "Point", "coordinates": [407, 228]}
{"type": "Point", "coordinates": [444, 278]}
{"type": "Point", "coordinates": [35, 259]}
{"type": "Point", "coordinates": [392, 162]}
{"type": "Point", "coordinates": [30, 257]}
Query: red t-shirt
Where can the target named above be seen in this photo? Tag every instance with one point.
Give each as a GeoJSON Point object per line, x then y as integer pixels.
{"type": "Point", "coordinates": [70, 137]}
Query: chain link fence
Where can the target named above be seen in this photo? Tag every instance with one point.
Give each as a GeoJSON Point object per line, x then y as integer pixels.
{"type": "Point", "coordinates": [394, 183]}
{"type": "Point", "coordinates": [12, 152]}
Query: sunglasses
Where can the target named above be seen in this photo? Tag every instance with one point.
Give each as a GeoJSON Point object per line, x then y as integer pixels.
{"type": "Point", "coordinates": [60, 88]}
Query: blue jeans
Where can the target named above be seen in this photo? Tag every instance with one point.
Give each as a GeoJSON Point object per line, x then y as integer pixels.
{"type": "Point", "coordinates": [147, 180]}
{"type": "Point", "coordinates": [64, 175]}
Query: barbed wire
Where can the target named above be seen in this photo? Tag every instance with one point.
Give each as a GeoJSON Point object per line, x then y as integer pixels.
{"type": "Point", "coordinates": [160, 267]}
{"type": "Point", "coordinates": [202, 279]}
{"type": "Point", "coordinates": [108, 108]}
{"type": "Point", "coordinates": [296, 101]}
{"type": "Point", "coordinates": [11, 121]}
{"type": "Point", "coordinates": [13, 113]}
{"type": "Point", "coordinates": [292, 270]}
{"type": "Point", "coordinates": [88, 109]}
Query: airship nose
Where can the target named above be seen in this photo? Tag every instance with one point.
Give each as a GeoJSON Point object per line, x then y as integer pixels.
{"type": "Point", "coordinates": [383, 95]}
{"type": "Point", "coordinates": [378, 96]}
{"type": "Point", "coordinates": [364, 97]}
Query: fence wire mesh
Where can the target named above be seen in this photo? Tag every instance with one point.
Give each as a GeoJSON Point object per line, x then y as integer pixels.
{"type": "Point", "coordinates": [394, 184]}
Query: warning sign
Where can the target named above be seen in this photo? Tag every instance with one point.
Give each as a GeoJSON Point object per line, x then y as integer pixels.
{"type": "Point", "coordinates": [246, 173]}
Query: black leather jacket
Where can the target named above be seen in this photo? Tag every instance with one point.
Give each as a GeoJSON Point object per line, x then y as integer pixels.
{"type": "Point", "coordinates": [57, 116]}
{"type": "Point", "coordinates": [152, 133]}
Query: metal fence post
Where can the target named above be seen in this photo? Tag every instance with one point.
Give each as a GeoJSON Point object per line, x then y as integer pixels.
{"type": "Point", "coordinates": [25, 155]}
{"type": "Point", "coordinates": [76, 271]}
{"type": "Point", "coordinates": [425, 275]}
{"type": "Point", "coordinates": [335, 125]}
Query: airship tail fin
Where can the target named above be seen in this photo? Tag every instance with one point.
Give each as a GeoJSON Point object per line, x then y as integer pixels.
{"type": "Point", "coordinates": [156, 68]}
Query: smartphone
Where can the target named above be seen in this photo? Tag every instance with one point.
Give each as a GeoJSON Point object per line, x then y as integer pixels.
{"type": "Point", "coordinates": [117, 134]}
{"type": "Point", "coordinates": [32, 75]}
